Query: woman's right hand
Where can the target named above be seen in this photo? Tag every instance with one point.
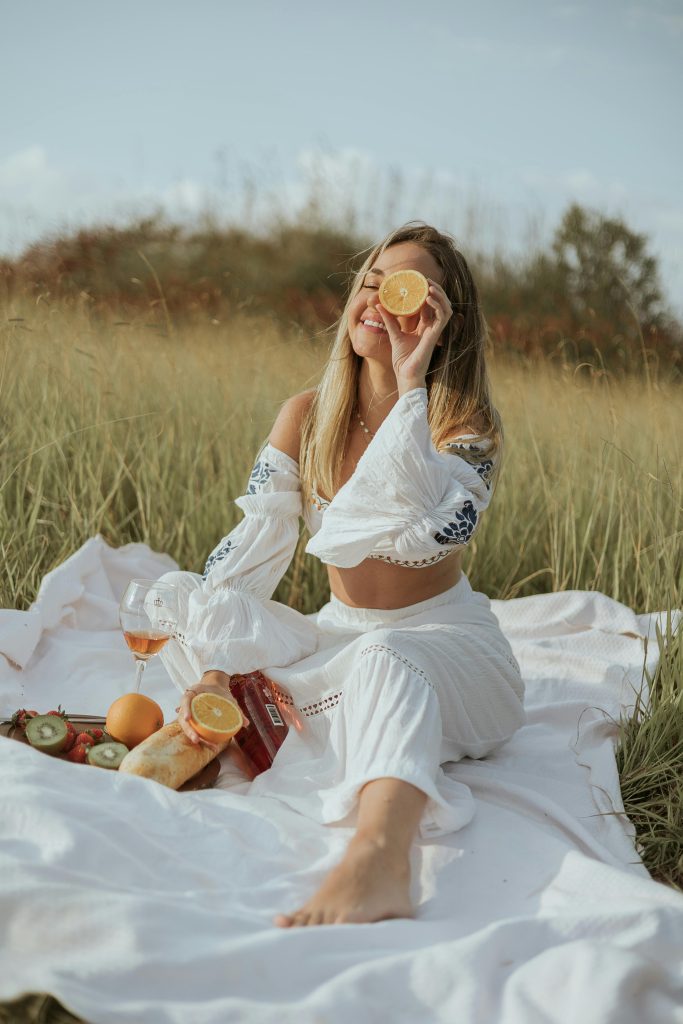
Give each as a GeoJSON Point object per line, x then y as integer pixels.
{"type": "Point", "coordinates": [211, 682]}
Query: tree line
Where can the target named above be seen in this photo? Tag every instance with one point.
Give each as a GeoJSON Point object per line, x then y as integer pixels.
{"type": "Point", "coordinates": [591, 296]}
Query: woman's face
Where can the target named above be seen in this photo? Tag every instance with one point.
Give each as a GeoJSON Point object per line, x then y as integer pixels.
{"type": "Point", "coordinates": [366, 339]}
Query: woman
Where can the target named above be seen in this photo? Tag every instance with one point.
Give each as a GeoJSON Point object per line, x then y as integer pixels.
{"type": "Point", "coordinates": [391, 460]}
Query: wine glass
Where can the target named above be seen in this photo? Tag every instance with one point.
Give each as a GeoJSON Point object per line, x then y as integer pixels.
{"type": "Point", "coordinates": [148, 614]}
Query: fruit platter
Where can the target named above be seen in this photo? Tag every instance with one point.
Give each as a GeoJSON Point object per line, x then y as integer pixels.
{"type": "Point", "coordinates": [85, 739]}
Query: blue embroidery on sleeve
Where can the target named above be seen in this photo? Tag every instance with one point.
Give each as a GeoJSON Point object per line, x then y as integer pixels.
{"type": "Point", "coordinates": [260, 475]}
{"type": "Point", "coordinates": [221, 553]}
{"type": "Point", "coordinates": [460, 531]}
{"type": "Point", "coordinates": [258, 478]}
{"type": "Point", "coordinates": [483, 468]}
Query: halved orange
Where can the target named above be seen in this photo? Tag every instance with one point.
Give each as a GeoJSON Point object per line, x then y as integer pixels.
{"type": "Point", "coordinates": [215, 718]}
{"type": "Point", "coordinates": [404, 292]}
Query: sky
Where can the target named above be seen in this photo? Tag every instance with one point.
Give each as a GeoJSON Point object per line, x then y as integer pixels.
{"type": "Point", "coordinates": [484, 118]}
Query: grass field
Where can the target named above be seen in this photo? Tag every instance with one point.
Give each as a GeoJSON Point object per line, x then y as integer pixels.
{"type": "Point", "coordinates": [143, 432]}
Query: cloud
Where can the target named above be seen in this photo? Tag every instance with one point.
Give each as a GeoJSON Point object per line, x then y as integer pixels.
{"type": "Point", "coordinates": [18, 164]}
{"type": "Point", "coordinates": [351, 173]}
{"type": "Point", "coordinates": [38, 198]}
{"type": "Point", "coordinates": [28, 180]}
{"type": "Point", "coordinates": [336, 173]}
{"type": "Point", "coordinates": [577, 182]}
{"type": "Point", "coordinates": [187, 195]}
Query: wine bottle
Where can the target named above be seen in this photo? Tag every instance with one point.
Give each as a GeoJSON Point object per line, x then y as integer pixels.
{"type": "Point", "coordinates": [269, 720]}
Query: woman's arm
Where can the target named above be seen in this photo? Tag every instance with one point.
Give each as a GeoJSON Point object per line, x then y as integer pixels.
{"type": "Point", "coordinates": [255, 555]}
{"type": "Point", "coordinates": [233, 625]}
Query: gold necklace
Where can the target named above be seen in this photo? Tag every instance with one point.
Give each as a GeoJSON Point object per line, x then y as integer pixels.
{"type": "Point", "coordinates": [363, 425]}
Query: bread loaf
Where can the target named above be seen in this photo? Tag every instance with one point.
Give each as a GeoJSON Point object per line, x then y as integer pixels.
{"type": "Point", "coordinates": [169, 757]}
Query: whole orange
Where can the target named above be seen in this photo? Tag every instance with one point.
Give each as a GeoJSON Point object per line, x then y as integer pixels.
{"type": "Point", "coordinates": [132, 718]}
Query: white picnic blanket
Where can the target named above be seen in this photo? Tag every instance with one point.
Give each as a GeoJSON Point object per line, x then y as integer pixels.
{"type": "Point", "coordinates": [131, 902]}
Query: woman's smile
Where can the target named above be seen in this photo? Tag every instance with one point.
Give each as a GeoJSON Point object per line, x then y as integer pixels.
{"type": "Point", "coordinates": [373, 326]}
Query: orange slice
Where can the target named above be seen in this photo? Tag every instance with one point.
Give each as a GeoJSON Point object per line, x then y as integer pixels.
{"type": "Point", "coordinates": [215, 718]}
{"type": "Point", "coordinates": [404, 292]}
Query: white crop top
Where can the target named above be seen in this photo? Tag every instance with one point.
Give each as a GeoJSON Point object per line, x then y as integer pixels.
{"type": "Point", "coordinates": [406, 503]}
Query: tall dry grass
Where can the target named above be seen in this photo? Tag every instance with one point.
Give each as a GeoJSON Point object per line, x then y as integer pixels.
{"type": "Point", "coordinates": [146, 434]}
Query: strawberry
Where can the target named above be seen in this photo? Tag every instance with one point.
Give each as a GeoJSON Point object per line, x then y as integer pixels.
{"type": "Point", "coordinates": [59, 713]}
{"type": "Point", "coordinates": [86, 738]}
{"type": "Point", "coordinates": [19, 717]}
{"type": "Point", "coordinates": [96, 734]}
{"type": "Point", "coordinates": [78, 753]}
{"type": "Point", "coordinates": [70, 741]}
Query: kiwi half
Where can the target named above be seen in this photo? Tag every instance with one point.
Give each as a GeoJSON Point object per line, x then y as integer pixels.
{"type": "Point", "coordinates": [47, 733]}
{"type": "Point", "coordinates": [107, 755]}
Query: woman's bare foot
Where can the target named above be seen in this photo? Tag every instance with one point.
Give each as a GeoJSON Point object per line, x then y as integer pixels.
{"type": "Point", "coordinates": [370, 884]}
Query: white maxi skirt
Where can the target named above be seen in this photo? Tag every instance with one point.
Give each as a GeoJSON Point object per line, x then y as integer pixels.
{"type": "Point", "coordinates": [387, 693]}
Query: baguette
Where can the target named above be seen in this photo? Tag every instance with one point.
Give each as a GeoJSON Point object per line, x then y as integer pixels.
{"type": "Point", "coordinates": [169, 757]}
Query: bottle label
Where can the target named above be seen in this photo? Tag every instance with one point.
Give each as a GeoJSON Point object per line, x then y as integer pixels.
{"type": "Point", "coordinates": [274, 714]}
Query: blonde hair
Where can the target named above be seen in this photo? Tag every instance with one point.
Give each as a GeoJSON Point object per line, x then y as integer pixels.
{"type": "Point", "coordinates": [458, 388]}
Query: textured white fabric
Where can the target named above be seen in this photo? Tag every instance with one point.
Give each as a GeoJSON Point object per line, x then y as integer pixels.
{"type": "Point", "coordinates": [130, 902]}
{"type": "Point", "coordinates": [314, 509]}
{"type": "Point", "coordinates": [405, 499]}
{"type": "Point", "coordinates": [234, 631]}
{"type": "Point", "coordinates": [406, 503]}
{"type": "Point", "coordinates": [383, 693]}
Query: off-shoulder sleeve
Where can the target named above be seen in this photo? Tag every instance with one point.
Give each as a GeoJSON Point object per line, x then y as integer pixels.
{"type": "Point", "coordinates": [405, 497]}
{"type": "Point", "coordinates": [255, 555]}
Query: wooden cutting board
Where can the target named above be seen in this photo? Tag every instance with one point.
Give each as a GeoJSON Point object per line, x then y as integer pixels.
{"type": "Point", "coordinates": [204, 779]}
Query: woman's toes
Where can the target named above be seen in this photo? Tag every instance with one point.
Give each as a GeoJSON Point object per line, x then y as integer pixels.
{"type": "Point", "coordinates": [283, 920]}
{"type": "Point", "coordinates": [317, 917]}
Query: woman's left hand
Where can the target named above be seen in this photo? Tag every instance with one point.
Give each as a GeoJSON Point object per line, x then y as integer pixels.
{"type": "Point", "coordinates": [411, 350]}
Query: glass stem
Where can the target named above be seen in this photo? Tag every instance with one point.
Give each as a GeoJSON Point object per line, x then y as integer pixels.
{"type": "Point", "coordinates": [139, 669]}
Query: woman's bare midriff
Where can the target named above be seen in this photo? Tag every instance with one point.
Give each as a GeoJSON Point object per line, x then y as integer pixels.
{"type": "Point", "coordinates": [377, 584]}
